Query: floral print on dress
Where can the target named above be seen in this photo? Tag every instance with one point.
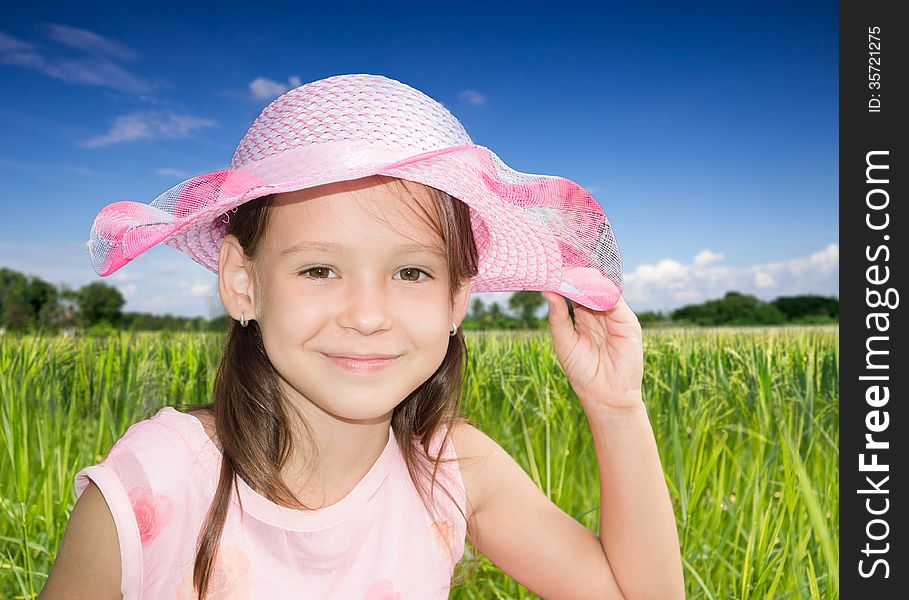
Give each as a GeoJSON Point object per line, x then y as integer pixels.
{"type": "Point", "coordinates": [382, 589]}
{"type": "Point", "coordinates": [442, 534]}
{"type": "Point", "coordinates": [229, 579]}
{"type": "Point", "coordinates": [152, 512]}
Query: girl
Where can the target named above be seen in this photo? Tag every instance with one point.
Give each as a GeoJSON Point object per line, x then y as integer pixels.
{"type": "Point", "coordinates": [355, 219]}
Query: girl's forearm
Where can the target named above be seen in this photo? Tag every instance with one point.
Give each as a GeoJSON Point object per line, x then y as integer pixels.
{"type": "Point", "coordinates": [637, 524]}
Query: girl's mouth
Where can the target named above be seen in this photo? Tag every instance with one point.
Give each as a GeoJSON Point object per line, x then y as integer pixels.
{"type": "Point", "coordinates": [363, 367]}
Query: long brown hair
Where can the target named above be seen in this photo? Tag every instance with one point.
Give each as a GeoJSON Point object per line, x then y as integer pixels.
{"type": "Point", "coordinates": [252, 421]}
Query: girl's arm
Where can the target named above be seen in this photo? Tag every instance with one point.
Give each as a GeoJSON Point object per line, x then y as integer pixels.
{"type": "Point", "coordinates": [527, 536]}
{"type": "Point", "coordinates": [637, 525]}
{"type": "Point", "coordinates": [88, 560]}
{"type": "Point", "coordinates": [637, 554]}
{"type": "Point", "coordinates": [602, 355]}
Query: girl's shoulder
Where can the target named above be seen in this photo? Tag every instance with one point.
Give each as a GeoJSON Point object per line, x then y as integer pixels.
{"type": "Point", "coordinates": [151, 453]}
{"type": "Point", "coordinates": [169, 431]}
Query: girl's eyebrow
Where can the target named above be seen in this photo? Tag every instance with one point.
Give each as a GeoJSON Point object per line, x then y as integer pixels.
{"type": "Point", "coordinates": [342, 249]}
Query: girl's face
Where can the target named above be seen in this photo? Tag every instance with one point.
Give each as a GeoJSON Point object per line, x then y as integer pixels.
{"type": "Point", "coordinates": [366, 294]}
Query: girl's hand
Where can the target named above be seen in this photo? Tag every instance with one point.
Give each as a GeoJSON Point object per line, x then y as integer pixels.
{"type": "Point", "coordinates": [601, 352]}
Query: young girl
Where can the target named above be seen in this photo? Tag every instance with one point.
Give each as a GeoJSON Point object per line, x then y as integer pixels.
{"type": "Point", "coordinates": [355, 219]}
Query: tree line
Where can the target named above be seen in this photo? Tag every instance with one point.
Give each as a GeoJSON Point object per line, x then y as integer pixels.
{"type": "Point", "coordinates": [28, 303]}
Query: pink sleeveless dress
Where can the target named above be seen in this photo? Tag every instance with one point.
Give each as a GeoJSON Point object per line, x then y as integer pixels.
{"type": "Point", "coordinates": [376, 543]}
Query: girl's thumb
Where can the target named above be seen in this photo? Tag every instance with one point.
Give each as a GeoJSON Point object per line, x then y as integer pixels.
{"type": "Point", "coordinates": [552, 301]}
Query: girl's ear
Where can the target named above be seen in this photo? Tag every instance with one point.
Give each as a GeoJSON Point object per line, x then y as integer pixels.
{"type": "Point", "coordinates": [461, 303]}
{"type": "Point", "coordinates": [235, 281]}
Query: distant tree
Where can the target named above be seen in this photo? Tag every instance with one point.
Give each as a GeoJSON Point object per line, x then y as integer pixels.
{"type": "Point", "coordinates": [651, 317]}
{"type": "Point", "coordinates": [27, 301]}
{"type": "Point", "coordinates": [477, 309]}
{"type": "Point", "coordinates": [734, 308]}
{"type": "Point", "coordinates": [14, 307]}
{"type": "Point", "coordinates": [42, 299]}
{"type": "Point", "coordinates": [218, 323]}
{"type": "Point", "coordinates": [100, 302]}
{"type": "Point", "coordinates": [804, 308]}
{"type": "Point", "coordinates": [524, 305]}
{"type": "Point", "coordinates": [494, 317]}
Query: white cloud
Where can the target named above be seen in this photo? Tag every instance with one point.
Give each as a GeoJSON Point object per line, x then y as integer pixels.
{"type": "Point", "coordinates": [669, 283]}
{"type": "Point", "coordinates": [268, 89]}
{"type": "Point", "coordinates": [149, 125]}
{"type": "Point", "coordinates": [472, 97]}
{"type": "Point", "coordinates": [705, 257]}
{"type": "Point", "coordinates": [95, 65]}
{"type": "Point", "coordinates": [14, 51]}
{"type": "Point", "coordinates": [89, 42]}
{"type": "Point", "coordinates": [128, 290]}
{"type": "Point", "coordinates": [764, 280]}
{"type": "Point", "coordinates": [200, 287]}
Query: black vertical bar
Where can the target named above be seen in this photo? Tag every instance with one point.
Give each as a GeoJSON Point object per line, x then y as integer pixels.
{"type": "Point", "coordinates": [874, 562]}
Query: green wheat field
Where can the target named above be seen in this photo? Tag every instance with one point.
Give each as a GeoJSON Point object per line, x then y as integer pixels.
{"type": "Point", "coordinates": [746, 420]}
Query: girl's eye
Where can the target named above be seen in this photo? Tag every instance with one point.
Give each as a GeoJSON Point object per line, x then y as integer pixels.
{"type": "Point", "coordinates": [315, 269]}
{"type": "Point", "coordinates": [410, 270]}
{"type": "Point", "coordinates": [415, 272]}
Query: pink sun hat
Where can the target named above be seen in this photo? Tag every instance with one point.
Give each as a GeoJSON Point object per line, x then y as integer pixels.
{"type": "Point", "coordinates": [532, 232]}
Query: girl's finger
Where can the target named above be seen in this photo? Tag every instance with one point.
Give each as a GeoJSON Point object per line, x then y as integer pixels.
{"type": "Point", "coordinates": [562, 328]}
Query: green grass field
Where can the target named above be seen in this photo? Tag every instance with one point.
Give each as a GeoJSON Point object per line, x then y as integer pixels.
{"type": "Point", "coordinates": [747, 423]}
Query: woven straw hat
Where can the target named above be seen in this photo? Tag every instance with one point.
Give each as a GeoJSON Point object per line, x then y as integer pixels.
{"type": "Point", "coordinates": [533, 232]}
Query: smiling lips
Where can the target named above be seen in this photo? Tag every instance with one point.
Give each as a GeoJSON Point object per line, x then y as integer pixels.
{"type": "Point", "coordinates": [372, 363]}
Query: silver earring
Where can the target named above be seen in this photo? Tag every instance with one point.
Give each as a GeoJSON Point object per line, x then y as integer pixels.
{"type": "Point", "coordinates": [454, 330]}
{"type": "Point", "coordinates": [243, 322]}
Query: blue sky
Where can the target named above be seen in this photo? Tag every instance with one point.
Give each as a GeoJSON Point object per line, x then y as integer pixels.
{"type": "Point", "coordinates": [707, 131]}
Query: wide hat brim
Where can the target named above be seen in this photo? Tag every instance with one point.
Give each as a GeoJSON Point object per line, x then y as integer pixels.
{"type": "Point", "coordinates": [532, 232]}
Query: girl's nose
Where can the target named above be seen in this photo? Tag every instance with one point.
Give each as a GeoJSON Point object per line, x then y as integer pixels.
{"type": "Point", "coordinates": [366, 310]}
